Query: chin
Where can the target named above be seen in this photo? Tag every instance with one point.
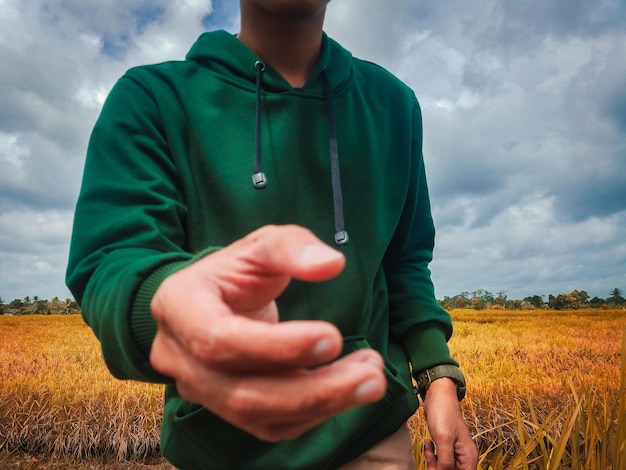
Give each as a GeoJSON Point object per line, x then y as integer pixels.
{"type": "Point", "coordinates": [291, 8]}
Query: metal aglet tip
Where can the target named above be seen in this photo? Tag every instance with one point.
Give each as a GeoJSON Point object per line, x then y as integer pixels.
{"type": "Point", "coordinates": [341, 238]}
{"type": "Point", "coordinates": [258, 180]}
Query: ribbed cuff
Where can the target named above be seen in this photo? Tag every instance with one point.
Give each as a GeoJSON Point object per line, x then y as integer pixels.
{"type": "Point", "coordinates": [143, 326]}
{"type": "Point", "coordinates": [427, 347]}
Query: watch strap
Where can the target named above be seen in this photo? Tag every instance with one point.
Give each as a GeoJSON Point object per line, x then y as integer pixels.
{"type": "Point", "coordinates": [428, 376]}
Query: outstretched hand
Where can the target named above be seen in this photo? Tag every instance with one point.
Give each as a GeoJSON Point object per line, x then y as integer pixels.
{"type": "Point", "coordinates": [219, 338]}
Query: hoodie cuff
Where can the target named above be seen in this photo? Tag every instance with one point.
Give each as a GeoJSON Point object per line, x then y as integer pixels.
{"type": "Point", "coordinates": [143, 326]}
{"type": "Point", "coordinates": [427, 347]}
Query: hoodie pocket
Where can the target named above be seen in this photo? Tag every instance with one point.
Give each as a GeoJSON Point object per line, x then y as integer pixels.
{"type": "Point", "coordinates": [396, 382]}
{"type": "Point", "coordinates": [206, 441]}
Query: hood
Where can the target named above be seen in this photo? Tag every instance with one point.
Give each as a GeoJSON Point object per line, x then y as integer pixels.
{"type": "Point", "coordinates": [223, 53]}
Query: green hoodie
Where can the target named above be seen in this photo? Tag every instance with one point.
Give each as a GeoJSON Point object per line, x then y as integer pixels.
{"type": "Point", "coordinates": [167, 180]}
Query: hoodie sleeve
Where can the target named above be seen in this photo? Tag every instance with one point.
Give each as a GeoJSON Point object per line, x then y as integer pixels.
{"type": "Point", "coordinates": [128, 230]}
{"type": "Point", "coordinates": [423, 326]}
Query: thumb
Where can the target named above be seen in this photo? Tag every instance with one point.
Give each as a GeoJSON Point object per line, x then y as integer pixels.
{"type": "Point", "coordinates": [254, 270]}
{"type": "Point", "coordinates": [293, 251]}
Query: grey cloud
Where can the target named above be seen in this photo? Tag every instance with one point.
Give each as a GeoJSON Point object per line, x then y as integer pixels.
{"type": "Point", "coordinates": [43, 176]}
{"type": "Point", "coordinates": [615, 108]}
{"type": "Point", "coordinates": [115, 22]}
{"type": "Point", "coordinates": [34, 244]}
{"type": "Point", "coordinates": [370, 29]}
{"type": "Point", "coordinates": [524, 107]}
{"type": "Point", "coordinates": [562, 17]}
{"type": "Point", "coordinates": [540, 121]}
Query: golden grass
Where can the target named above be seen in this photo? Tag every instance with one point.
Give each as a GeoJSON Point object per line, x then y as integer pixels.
{"type": "Point", "coordinates": [544, 391]}
{"type": "Point", "coordinates": [56, 396]}
{"type": "Point", "coordinates": [544, 387]}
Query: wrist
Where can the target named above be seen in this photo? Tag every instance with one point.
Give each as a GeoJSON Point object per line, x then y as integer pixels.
{"type": "Point", "coordinates": [442, 386]}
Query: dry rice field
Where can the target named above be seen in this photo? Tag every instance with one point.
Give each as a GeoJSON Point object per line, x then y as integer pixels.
{"type": "Point", "coordinates": [546, 389]}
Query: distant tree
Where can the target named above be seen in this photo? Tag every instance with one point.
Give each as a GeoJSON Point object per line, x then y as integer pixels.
{"type": "Point", "coordinates": [536, 301]}
{"type": "Point", "coordinates": [478, 304]}
{"type": "Point", "coordinates": [581, 298]}
{"type": "Point", "coordinates": [596, 302]}
{"type": "Point", "coordinates": [70, 306]}
{"type": "Point", "coordinates": [514, 304]}
{"type": "Point", "coordinates": [478, 300]}
{"type": "Point", "coordinates": [575, 299]}
{"type": "Point", "coordinates": [16, 303]}
{"type": "Point", "coordinates": [41, 307]}
{"type": "Point", "coordinates": [616, 297]}
{"type": "Point", "coordinates": [558, 303]}
{"type": "Point", "coordinates": [483, 295]}
{"type": "Point", "coordinates": [501, 299]}
{"type": "Point", "coordinates": [461, 300]}
{"type": "Point", "coordinates": [553, 302]}
{"type": "Point", "coordinates": [481, 299]}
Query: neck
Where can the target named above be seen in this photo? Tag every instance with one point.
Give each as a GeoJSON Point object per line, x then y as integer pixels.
{"type": "Point", "coordinates": [291, 45]}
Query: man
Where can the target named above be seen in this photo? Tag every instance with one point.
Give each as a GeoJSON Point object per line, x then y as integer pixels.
{"type": "Point", "coordinates": [183, 265]}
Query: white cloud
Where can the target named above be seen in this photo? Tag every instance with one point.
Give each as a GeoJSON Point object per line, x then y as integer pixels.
{"type": "Point", "coordinates": [12, 152]}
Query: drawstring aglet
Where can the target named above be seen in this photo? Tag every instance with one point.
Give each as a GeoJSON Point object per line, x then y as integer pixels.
{"type": "Point", "coordinates": [341, 238]}
{"type": "Point", "coordinates": [258, 180]}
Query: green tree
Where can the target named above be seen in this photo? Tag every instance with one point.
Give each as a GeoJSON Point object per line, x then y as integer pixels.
{"type": "Point", "coordinates": [559, 302]}
{"type": "Point", "coordinates": [616, 297]}
{"type": "Point", "coordinates": [596, 302]}
{"type": "Point", "coordinates": [71, 306]}
{"type": "Point", "coordinates": [575, 299]}
{"type": "Point", "coordinates": [583, 297]}
{"type": "Point", "coordinates": [458, 301]}
{"type": "Point", "coordinates": [536, 301]}
{"type": "Point", "coordinates": [41, 307]}
{"type": "Point", "coordinates": [501, 299]}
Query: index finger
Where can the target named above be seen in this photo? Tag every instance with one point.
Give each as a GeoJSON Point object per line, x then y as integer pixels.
{"type": "Point", "coordinates": [239, 343]}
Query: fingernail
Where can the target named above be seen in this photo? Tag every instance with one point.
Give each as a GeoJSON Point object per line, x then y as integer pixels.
{"type": "Point", "coordinates": [318, 253]}
{"type": "Point", "coordinates": [374, 360]}
{"type": "Point", "coordinates": [368, 391]}
{"type": "Point", "coordinates": [324, 349]}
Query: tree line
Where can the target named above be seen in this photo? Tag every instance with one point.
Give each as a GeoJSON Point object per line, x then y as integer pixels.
{"type": "Point", "coordinates": [482, 299]}
{"type": "Point", "coordinates": [479, 300]}
{"type": "Point", "coordinates": [36, 306]}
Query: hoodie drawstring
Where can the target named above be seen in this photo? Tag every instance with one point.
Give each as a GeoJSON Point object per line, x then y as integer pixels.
{"type": "Point", "coordinates": [341, 236]}
{"type": "Point", "coordinates": [259, 180]}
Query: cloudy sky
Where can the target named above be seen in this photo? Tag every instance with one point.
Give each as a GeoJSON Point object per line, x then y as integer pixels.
{"type": "Point", "coordinates": [524, 108]}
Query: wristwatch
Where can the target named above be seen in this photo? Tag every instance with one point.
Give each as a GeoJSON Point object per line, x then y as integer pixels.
{"type": "Point", "coordinates": [428, 376]}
